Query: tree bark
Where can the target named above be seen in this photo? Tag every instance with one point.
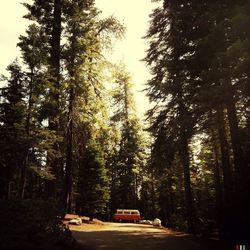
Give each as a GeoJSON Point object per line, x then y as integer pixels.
{"type": "Point", "coordinates": [55, 56]}
{"type": "Point", "coordinates": [217, 185]}
{"type": "Point", "coordinates": [67, 186]}
{"type": "Point", "coordinates": [26, 151]}
{"type": "Point", "coordinates": [184, 155]}
{"type": "Point", "coordinates": [240, 213]}
{"type": "Point", "coordinates": [227, 217]}
{"type": "Point", "coordinates": [153, 208]}
{"type": "Point", "coordinates": [225, 161]}
{"type": "Point", "coordinates": [235, 135]}
{"type": "Point", "coordinates": [216, 170]}
{"type": "Point", "coordinates": [69, 155]}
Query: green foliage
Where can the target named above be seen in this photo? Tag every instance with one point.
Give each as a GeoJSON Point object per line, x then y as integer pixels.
{"type": "Point", "coordinates": [93, 189]}
{"type": "Point", "coordinates": [126, 160]}
{"type": "Point", "coordinates": [87, 36]}
{"type": "Point", "coordinates": [122, 103]}
{"type": "Point", "coordinates": [33, 47]}
{"type": "Point", "coordinates": [171, 88]}
{"type": "Point", "coordinates": [197, 54]}
{"type": "Point", "coordinates": [12, 127]}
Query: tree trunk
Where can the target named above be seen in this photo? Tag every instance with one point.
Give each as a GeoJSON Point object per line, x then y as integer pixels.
{"type": "Point", "coordinates": [153, 208]}
{"type": "Point", "coordinates": [225, 160]}
{"type": "Point", "coordinates": [227, 217]}
{"type": "Point", "coordinates": [235, 137]}
{"type": "Point", "coordinates": [8, 189]}
{"type": "Point", "coordinates": [21, 191]}
{"type": "Point", "coordinates": [169, 202]}
{"type": "Point", "coordinates": [184, 155]}
{"type": "Point", "coordinates": [217, 178]}
{"type": "Point", "coordinates": [69, 155]}
{"type": "Point", "coordinates": [91, 216]}
{"type": "Point", "coordinates": [67, 187]}
{"type": "Point", "coordinates": [241, 217]}
{"type": "Point", "coordinates": [51, 185]}
{"type": "Point", "coordinates": [217, 185]}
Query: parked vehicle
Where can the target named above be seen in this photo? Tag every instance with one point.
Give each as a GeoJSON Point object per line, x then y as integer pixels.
{"type": "Point", "coordinates": [127, 215]}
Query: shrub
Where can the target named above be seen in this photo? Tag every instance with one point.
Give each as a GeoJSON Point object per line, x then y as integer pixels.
{"type": "Point", "coordinates": [32, 224]}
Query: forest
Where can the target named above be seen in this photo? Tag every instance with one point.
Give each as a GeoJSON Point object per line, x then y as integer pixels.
{"type": "Point", "coordinates": [71, 140]}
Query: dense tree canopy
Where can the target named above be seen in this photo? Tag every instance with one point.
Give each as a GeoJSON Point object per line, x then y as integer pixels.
{"type": "Point", "coordinates": [191, 52]}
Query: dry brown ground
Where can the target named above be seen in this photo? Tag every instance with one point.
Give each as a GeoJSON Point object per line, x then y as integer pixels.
{"type": "Point", "coordinates": [130, 236]}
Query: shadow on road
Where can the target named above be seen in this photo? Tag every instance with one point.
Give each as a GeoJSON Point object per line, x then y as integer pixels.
{"type": "Point", "coordinates": [136, 240]}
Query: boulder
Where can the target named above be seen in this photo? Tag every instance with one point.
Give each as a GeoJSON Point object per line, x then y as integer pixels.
{"type": "Point", "coordinates": [148, 222]}
{"type": "Point", "coordinates": [157, 222]}
{"type": "Point", "coordinates": [76, 221]}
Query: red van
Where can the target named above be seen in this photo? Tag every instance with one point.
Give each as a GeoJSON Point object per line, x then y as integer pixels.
{"type": "Point", "coordinates": [127, 215]}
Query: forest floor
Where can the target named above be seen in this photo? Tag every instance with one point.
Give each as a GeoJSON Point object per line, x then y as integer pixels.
{"type": "Point", "coordinates": [131, 236]}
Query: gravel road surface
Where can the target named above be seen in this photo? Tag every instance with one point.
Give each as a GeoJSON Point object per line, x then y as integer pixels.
{"type": "Point", "coordinates": [130, 236]}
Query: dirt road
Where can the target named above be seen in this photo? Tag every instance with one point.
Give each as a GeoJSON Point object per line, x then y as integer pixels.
{"type": "Point", "coordinates": [129, 236]}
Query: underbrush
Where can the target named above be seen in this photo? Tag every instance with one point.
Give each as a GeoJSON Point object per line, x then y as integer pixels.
{"type": "Point", "coordinates": [33, 224]}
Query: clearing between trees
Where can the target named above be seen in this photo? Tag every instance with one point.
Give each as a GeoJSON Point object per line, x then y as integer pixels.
{"type": "Point", "coordinates": [123, 236]}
